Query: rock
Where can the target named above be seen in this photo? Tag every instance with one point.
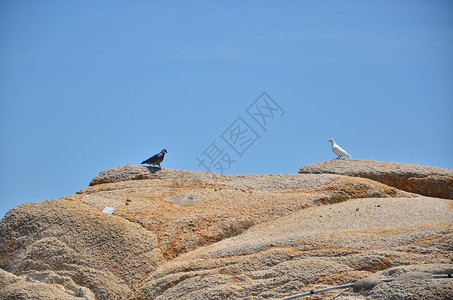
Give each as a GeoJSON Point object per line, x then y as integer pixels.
{"type": "Point", "coordinates": [423, 180]}
{"type": "Point", "coordinates": [185, 198]}
{"type": "Point", "coordinates": [264, 181]}
{"type": "Point", "coordinates": [25, 287]}
{"type": "Point", "coordinates": [304, 252]}
{"type": "Point", "coordinates": [192, 234]}
{"type": "Point", "coordinates": [414, 289]}
{"type": "Point", "coordinates": [104, 253]}
{"type": "Point", "coordinates": [408, 285]}
{"type": "Point", "coordinates": [367, 283]}
{"type": "Point", "coordinates": [123, 173]}
{"type": "Point", "coordinates": [414, 276]}
{"type": "Point", "coordinates": [192, 209]}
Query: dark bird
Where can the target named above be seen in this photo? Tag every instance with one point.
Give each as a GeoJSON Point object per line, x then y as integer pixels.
{"type": "Point", "coordinates": [156, 159]}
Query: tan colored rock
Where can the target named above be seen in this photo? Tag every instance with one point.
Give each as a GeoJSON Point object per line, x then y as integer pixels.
{"type": "Point", "coordinates": [411, 282]}
{"type": "Point", "coordinates": [423, 180]}
{"type": "Point", "coordinates": [188, 210]}
{"type": "Point", "coordinates": [107, 254]}
{"type": "Point", "coordinates": [123, 173]}
{"type": "Point", "coordinates": [25, 287]}
{"type": "Point", "coordinates": [311, 249]}
{"type": "Point", "coordinates": [182, 234]}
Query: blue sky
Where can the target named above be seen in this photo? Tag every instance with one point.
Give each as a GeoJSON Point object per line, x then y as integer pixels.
{"type": "Point", "coordinates": [91, 85]}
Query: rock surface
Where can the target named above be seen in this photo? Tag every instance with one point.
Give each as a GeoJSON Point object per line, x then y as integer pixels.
{"type": "Point", "coordinates": [41, 287]}
{"type": "Point", "coordinates": [423, 180]}
{"type": "Point", "coordinates": [191, 234]}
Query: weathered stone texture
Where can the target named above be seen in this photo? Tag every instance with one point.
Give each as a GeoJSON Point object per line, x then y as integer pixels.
{"type": "Point", "coordinates": [423, 180]}
{"type": "Point", "coordinates": [178, 234]}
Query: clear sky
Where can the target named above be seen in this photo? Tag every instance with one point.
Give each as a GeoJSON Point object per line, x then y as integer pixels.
{"type": "Point", "coordinates": [91, 85]}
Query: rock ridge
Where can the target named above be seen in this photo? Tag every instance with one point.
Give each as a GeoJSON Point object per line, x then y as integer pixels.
{"type": "Point", "coordinates": [419, 179]}
{"type": "Point", "coordinates": [177, 234]}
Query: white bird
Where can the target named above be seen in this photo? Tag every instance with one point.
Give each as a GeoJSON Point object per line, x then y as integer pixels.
{"type": "Point", "coordinates": [338, 150]}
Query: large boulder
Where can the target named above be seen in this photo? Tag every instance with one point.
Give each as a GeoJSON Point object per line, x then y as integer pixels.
{"type": "Point", "coordinates": [313, 249]}
{"type": "Point", "coordinates": [107, 254]}
{"type": "Point", "coordinates": [192, 234]}
{"type": "Point", "coordinates": [188, 210]}
{"type": "Point", "coordinates": [423, 180]}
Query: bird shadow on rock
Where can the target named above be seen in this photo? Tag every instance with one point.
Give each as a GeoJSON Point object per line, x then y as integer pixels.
{"type": "Point", "coordinates": [153, 170]}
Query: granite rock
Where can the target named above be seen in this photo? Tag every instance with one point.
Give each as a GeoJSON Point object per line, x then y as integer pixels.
{"type": "Point", "coordinates": [177, 234]}
{"type": "Point", "coordinates": [423, 180]}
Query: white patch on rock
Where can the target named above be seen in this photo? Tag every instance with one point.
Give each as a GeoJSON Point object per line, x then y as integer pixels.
{"type": "Point", "coordinates": [108, 210]}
